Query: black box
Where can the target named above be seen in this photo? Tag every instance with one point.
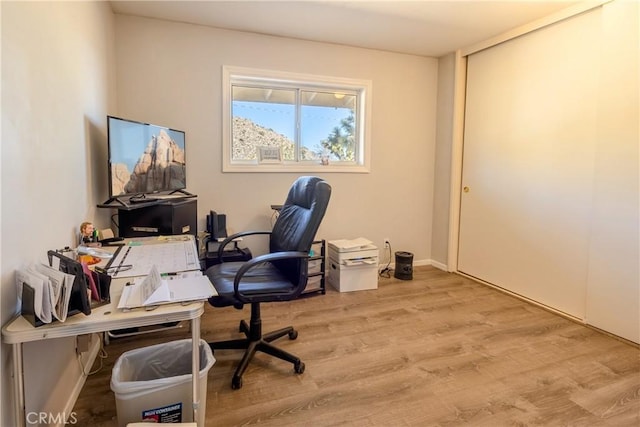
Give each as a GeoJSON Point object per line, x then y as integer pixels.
{"type": "Point", "coordinates": [168, 218]}
{"type": "Point", "coordinates": [234, 255]}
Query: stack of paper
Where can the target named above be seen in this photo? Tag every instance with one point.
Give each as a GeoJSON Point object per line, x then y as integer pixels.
{"type": "Point", "coordinates": [154, 289]}
{"type": "Point", "coordinates": [51, 288]}
{"type": "Point", "coordinates": [352, 244]}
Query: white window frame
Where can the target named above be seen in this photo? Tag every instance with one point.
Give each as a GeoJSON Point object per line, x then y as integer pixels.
{"type": "Point", "coordinates": [233, 74]}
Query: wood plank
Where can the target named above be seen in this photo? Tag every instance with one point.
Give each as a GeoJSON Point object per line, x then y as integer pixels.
{"type": "Point", "coordinates": [437, 350]}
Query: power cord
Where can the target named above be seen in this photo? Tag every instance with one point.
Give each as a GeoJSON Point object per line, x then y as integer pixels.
{"type": "Point", "coordinates": [386, 270]}
{"type": "Point", "coordinates": [102, 354]}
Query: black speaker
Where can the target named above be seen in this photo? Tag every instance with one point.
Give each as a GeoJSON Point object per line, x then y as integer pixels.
{"type": "Point", "coordinates": [210, 222]}
{"type": "Point", "coordinates": [404, 266]}
{"type": "Point", "coordinates": [220, 226]}
{"type": "Point", "coordinates": [217, 225]}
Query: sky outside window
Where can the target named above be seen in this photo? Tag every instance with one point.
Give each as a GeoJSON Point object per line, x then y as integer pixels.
{"type": "Point", "coordinates": [317, 122]}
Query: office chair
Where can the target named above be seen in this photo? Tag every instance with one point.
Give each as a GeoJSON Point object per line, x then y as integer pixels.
{"type": "Point", "coordinates": [280, 275]}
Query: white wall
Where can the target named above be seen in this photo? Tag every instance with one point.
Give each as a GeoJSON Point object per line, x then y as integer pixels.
{"type": "Point", "coordinates": [442, 169]}
{"type": "Point", "coordinates": [57, 87]}
{"type": "Point", "coordinates": [170, 74]}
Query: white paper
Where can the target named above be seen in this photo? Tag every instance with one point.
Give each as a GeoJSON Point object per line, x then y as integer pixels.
{"type": "Point", "coordinates": [47, 302]}
{"type": "Point", "coordinates": [191, 288]}
{"type": "Point", "coordinates": [351, 244]}
{"type": "Point", "coordinates": [168, 256]}
{"type": "Point", "coordinates": [65, 297]}
{"type": "Point", "coordinates": [359, 261]}
{"type": "Point", "coordinates": [152, 290]}
{"type": "Point", "coordinates": [40, 285]}
{"type": "Point", "coordinates": [61, 284]}
{"type": "Point", "coordinates": [130, 296]}
{"type": "Point", "coordinates": [155, 290]}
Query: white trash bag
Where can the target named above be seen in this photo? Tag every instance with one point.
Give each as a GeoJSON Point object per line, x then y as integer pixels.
{"type": "Point", "coordinates": [154, 383]}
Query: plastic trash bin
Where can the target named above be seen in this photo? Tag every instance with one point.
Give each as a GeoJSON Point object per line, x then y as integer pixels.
{"type": "Point", "coordinates": [154, 383]}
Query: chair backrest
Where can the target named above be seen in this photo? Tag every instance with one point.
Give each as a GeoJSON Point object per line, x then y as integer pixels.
{"type": "Point", "coordinates": [298, 222]}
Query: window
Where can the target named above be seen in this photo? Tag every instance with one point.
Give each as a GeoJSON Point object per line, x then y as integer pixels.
{"type": "Point", "coordinates": [284, 122]}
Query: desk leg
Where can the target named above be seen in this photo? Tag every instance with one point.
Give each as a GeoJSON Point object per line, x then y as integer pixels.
{"type": "Point", "coordinates": [195, 366]}
{"type": "Point", "coordinates": [18, 386]}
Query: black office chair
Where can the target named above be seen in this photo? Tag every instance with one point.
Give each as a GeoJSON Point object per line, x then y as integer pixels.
{"type": "Point", "coordinates": [280, 275]}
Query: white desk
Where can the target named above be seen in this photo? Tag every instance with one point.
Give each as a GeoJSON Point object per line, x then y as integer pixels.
{"type": "Point", "coordinates": [102, 319]}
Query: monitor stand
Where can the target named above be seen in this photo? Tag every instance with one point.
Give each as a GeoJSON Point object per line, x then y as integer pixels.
{"type": "Point", "coordinates": [111, 201]}
{"type": "Point", "coordinates": [125, 201]}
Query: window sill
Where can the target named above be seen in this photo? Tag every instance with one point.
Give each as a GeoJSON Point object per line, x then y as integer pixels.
{"type": "Point", "coordinates": [279, 168]}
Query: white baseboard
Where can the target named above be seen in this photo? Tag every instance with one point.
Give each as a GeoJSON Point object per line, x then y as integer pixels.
{"type": "Point", "coordinates": [418, 263]}
{"type": "Point", "coordinates": [439, 265]}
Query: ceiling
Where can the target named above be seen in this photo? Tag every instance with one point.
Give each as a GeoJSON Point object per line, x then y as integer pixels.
{"type": "Point", "coordinates": [418, 27]}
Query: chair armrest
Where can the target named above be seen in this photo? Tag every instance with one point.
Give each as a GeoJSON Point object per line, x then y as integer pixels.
{"type": "Point", "coordinates": [260, 260]}
{"type": "Point", "coordinates": [231, 238]}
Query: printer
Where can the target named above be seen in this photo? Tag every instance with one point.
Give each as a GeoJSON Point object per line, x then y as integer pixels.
{"type": "Point", "coordinates": [352, 265]}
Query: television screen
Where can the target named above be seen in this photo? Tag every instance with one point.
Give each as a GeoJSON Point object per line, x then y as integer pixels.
{"type": "Point", "coordinates": [144, 158]}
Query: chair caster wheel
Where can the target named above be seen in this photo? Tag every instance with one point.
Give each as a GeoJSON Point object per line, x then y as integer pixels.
{"type": "Point", "coordinates": [293, 335]}
{"type": "Point", "coordinates": [299, 368]}
{"type": "Point", "coordinates": [236, 383]}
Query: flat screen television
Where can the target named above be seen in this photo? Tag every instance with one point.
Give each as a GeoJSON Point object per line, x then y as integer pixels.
{"type": "Point", "coordinates": [144, 158]}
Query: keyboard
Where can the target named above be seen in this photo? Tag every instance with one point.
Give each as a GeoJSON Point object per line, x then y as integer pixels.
{"type": "Point", "coordinates": [143, 200]}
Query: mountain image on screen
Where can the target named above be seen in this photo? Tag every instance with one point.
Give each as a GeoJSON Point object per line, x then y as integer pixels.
{"type": "Point", "coordinates": [160, 167]}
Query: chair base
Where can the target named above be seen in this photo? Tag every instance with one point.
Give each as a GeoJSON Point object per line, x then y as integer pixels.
{"type": "Point", "coordinates": [255, 342]}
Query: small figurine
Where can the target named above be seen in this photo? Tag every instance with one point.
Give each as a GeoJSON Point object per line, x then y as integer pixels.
{"type": "Point", "coordinates": [88, 234]}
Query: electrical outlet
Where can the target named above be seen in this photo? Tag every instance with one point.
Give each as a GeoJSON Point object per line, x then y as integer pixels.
{"type": "Point", "coordinates": [82, 343]}
{"type": "Point", "coordinates": [387, 242]}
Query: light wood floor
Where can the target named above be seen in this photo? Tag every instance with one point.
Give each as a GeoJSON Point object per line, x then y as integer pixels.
{"type": "Point", "coordinates": [440, 350]}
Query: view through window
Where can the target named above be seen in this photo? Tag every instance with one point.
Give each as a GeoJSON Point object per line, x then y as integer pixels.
{"type": "Point", "coordinates": [312, 121]}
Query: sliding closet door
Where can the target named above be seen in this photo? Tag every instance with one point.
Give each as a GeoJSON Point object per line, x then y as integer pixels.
{"type": "Point", "coordinates": [528, 163]}
{"type": "Point", "coordinates": [613, 291]}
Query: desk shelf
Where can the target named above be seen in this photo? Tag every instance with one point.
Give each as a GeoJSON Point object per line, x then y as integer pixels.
{"type": "Point", "coordinates": [317, 262]}
{"type": "Point", "coordinates": [171, 217]}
